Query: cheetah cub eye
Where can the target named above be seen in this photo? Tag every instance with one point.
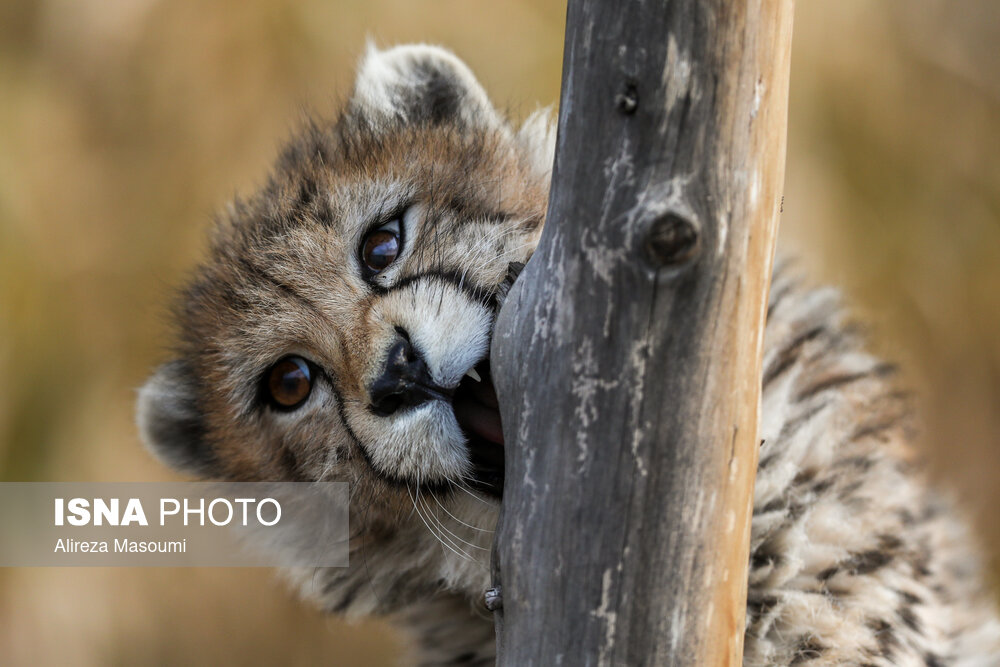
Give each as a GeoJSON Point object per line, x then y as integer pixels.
{"type": "Point", "coordinates": [380, 247]}
{"type": "Point", "coordinates": [289, 383]}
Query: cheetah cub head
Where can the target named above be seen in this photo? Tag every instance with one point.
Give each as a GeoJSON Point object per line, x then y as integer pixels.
{"type": "Point", "coordinates": [340, 327]}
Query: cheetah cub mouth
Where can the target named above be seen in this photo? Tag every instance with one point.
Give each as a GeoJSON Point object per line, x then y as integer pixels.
{"type": "Point", "coordinates": [406, 385]}
{"type": "Point", "coordinates": [478, 415]}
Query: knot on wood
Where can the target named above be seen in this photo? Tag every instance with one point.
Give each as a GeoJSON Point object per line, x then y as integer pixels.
{"type": "Point", "coordinates": [627, 101]}
{"type": "Point", "coordinates": [671, 240]}
{"type": "Point", "coordinates": [493, 598]}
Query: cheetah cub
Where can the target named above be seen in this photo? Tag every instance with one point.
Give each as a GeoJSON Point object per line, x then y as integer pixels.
{"type": "Point", "coordinates": [340, 330]}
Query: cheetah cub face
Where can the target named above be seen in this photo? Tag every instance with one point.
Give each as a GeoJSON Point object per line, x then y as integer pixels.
{"type": "Point", "coordinates": [340, 328]}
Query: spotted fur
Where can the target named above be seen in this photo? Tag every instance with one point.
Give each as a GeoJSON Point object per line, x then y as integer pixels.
{"type": "Point", "coordinates": [853, 559]}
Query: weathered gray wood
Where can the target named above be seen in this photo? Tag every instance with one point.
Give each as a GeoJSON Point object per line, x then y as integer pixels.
{"type": "Point", "coordinates": [627, 357]}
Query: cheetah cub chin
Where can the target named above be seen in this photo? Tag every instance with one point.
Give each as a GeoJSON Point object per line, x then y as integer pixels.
{"type": "Point", "coordinates": [340, 330]}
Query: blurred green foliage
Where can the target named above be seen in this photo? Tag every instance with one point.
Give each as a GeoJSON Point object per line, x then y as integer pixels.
{"type": "Point", "coordinates": [124, 124]}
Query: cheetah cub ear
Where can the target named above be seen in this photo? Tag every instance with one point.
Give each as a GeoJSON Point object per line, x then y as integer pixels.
{"type": "Point", "coordinates": [170, 422]}
{"type": "Point", "coordinates": [420, 84]}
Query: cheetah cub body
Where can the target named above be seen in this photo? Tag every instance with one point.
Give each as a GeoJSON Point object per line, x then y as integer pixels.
{"type": "Point", "coordinates": [340, 330]}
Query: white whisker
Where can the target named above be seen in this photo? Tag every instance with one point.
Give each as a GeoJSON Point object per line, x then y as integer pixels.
{"type": "Point", "coordinates": [429, 516]}
{"type": "Point", "coordinates": [461, 555]}
{"type": "Point", "coordinates": [469, 491]}
{"type": "Point", "coordinates": [467, 525]}
{"type": "Point", "coordinates": [440, 524]}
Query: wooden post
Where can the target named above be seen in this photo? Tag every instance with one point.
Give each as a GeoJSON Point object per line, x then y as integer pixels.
{"type": "Point", "coordinates": [628, 356]}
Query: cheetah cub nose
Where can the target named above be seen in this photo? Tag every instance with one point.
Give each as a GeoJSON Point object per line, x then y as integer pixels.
{"type": "Point", "coordinates": [405, 381]}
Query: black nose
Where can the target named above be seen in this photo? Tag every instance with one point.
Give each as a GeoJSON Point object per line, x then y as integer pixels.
{"type": "Point", "coordinates": [405, 380]}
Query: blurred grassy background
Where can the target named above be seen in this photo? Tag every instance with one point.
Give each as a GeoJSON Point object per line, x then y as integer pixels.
{"type": "Point", "coordinates": [124, 124]}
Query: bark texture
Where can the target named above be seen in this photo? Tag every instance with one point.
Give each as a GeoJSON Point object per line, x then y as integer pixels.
{"type": "Point", "coordinates": [628, 355]}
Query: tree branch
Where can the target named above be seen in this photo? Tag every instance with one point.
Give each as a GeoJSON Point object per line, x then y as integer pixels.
{"type": "Point", "coordinates": [628, 355]}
